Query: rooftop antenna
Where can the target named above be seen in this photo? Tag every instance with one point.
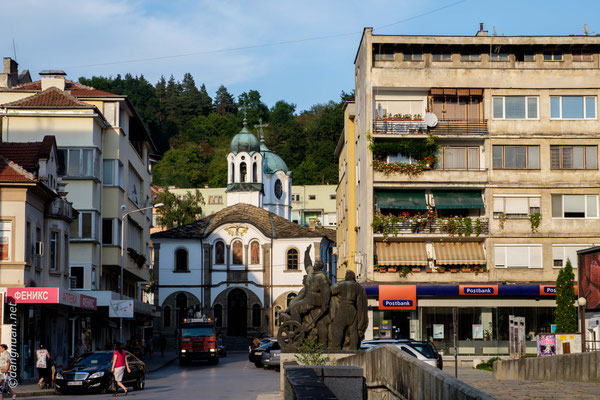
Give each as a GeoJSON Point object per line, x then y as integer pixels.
{"type": "Point", "coordinates": [586, 29]}
{"type": "Point", "coordinates": [15, 49]}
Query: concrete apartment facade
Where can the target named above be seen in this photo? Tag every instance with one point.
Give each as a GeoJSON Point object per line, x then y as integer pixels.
{"type": "Point", "coordinates": [103, 157]}
{"type": "Point", "coordinates": [512, 195]}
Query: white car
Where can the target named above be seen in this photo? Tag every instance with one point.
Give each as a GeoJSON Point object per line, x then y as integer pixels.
{"type": "Point", "coordinates": [406, 347]}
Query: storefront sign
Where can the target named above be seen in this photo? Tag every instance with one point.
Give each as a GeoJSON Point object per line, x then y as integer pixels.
{"type": "Point", "coordinates": [478, 290]}
{"type": "Point", "coordinates": [397, 297]}
{"type": "Point", "coordinates": [438, 331]}
{"type": "Point", "coordinates": [546, 345]}
{"type": "Point", "coordinates": [70, 299]}
{"type": "Point", "coordinates": [120, 309]}
{"type": "Point", "coordinates": [51, 295]}
{"type": "Point", "coordinates": [88, 302]}
{"type": "Point", "coordinates": [547, 290]}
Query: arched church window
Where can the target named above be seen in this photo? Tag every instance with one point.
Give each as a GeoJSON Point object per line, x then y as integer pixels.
{"type": "Point", "coordinates": [254, 172]}
{"type": "Point", "coordinates": [243, 172]}
{"type": "Point", "coordinates": [290, 297]}
{"type": "Point", "coordinates": [278, 189]}
{"type": "Point", "coordinates": [292, 259]}
{"type": "Point", "coordinates": [219, 253]}
{"type": "Point", "coordinates": [277, 319]}
{"type": "Point", "coordinates": [181, 260]}
{"type": "Point", "coordinates": [254, 253]}
{"type": "Point", "coordinates": [238, 252]}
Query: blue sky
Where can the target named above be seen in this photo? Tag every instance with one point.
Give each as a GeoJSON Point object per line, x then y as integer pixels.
{"type": "Point", "coordinates": [98, 37]}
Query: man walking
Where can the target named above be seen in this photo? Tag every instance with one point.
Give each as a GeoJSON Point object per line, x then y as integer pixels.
{"type": "Point", "coordinates": [4, 368]}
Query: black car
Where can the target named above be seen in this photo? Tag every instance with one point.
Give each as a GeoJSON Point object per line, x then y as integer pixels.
{"type": "Point", "coordinates": [221, 347]}
{"type": "Point", "coordinates": [91, 373]}
{"type": "Point", "coordinates": [257, 353]}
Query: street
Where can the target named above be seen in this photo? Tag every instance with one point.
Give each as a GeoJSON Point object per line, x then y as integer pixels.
{"type": "Point", "coordinates": [233, 378]}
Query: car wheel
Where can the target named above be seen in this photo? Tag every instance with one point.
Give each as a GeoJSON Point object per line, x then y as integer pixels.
{"type": "Point", "coordinates": [140, 383]}
{"type": "Point", "coordinates": [257, 364]}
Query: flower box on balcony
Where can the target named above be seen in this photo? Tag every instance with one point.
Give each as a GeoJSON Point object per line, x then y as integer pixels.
{"type": "Point", "coordinates": [392, 270]}
{"type": "Point", "coordinates": [453, 270]}
{"type": "Point", "coordinates": [416, 270]}
{"type": "Point", "coordinates": [441, 270]}
{"type": "Point", "coordinates": [466, 270]}
{"type": "Point", "coordinates": [429, 270]}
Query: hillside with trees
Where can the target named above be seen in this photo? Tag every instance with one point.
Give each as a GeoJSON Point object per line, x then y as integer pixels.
{"type": "Point", "coordinates": [192, 130]}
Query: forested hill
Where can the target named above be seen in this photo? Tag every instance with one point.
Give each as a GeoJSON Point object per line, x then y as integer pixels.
{"type": "Point", "coordinates": [192, 130]}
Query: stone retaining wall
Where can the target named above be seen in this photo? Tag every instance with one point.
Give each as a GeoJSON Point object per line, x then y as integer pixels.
{"type": "Point", "coordinates": [578, 367]}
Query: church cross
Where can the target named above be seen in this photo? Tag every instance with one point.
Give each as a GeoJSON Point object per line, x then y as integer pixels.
{"type": "Point", "coordinates": [260, 126]}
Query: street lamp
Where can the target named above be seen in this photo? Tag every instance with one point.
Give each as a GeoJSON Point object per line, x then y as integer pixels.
{"type": "Point", "coordinates": [581, 302]}
{"type": "Point", "coordinates": [123, 222]}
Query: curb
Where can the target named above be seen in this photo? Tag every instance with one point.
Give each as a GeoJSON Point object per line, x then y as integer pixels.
{"type": "Point", "coordinates": [39, 393]}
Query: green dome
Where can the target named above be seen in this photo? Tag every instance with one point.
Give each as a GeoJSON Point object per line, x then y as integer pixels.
{"type": "Point", "coordinates": [272, 162]}
{"type": "Point", "coordinates": [244, 141]}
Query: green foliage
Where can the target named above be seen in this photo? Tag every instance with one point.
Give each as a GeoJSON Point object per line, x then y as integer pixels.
{"type": "Point", "coordinates": [488, 365]}
{"type": "Point", "coordinates": [185, 166]}
{"type": "Point", "coordinates": [534, 221]}
{"type": "Point", "coordinates": [565, 313]}
{"type": "Point", "coordinates": [178, 211]}
{"type": "Point", "coordinates": [310, 352]}
{"type": "Point", "coordinates": [418, 149]}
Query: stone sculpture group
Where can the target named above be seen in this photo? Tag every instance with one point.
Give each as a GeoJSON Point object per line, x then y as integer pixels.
{"type": "Point", "coordinates": [336, 315]}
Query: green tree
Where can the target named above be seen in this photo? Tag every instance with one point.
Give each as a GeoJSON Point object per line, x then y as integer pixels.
{"type": "Point", "coordinates": [185, 166]}
{"type": "Point", "coordinates": [224, 102]}
{"type": "Point", "coordinates": [206, 103]}
{"type": "Point", "coordinates": [565, 313]}
{"type": "Point", "coordinates": [179, 211]}
{"type": "Point", "coordinates": [254, 108]}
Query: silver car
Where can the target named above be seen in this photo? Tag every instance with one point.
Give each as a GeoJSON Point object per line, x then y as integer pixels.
{"type": "Point", "coordinates": [272, 358]}
{"type": "Point", "coordinates": [405, 347]}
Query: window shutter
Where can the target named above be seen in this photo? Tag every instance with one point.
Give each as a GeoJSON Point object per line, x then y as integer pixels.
{"type": "Point", "coordinates": [517, 205]}
{"type": "Point", "coordinates": [558, 253]}
{"type": "Point", "coordinates": [535, 257]}
{"type": "Point", "coordinates": [500, 256]}
{"type": "Point", "coordinates": [574, 203]}
{"type": "Point", "coordinates": [534, 202]}
{"type": "Point", "coordinates": [557, 206]}
{"type": "Point", "coordinates": [499, 204]}
{"type": "Point", "coordinates": [555, 157]}
{"type": "Point", "coordinates": [592, 206]}
{"type": "Point", "coordinates": [517, 256]}
{"type": "Point", "coordinates": [571, 254]}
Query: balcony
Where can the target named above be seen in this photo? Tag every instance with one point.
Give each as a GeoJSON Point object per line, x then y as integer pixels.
{"type": "Point", "coordinates": [389, 126]}
{"type": "Point", "coordinates": [439, 227]}
{"type": "Point", "coordinates": [61, 208]}
{"type": "Point", "coordinates": [460, 128]}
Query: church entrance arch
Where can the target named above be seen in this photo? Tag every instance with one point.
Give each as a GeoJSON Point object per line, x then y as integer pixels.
{"type": "Point", "coordinates": [237, 312]}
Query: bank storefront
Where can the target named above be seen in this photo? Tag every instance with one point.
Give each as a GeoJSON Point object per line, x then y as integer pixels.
{"type": "Point", "coordinates": [478, 313]}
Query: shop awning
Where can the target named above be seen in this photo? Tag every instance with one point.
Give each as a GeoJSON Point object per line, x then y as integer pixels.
{"type": "Point", "coordinates": [401, 200]}
{"type": "Point", "coordinates": [401, 253]}
{"type": "Point", "coordinates": [50, 295]}
{"type": "Point", "coordinates": [457, 200]}
{"type": "Point", "coordinates": [459, 253]}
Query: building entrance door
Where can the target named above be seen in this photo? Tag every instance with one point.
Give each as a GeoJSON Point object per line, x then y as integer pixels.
{"type": "Point", "coordinates": [237, 313]}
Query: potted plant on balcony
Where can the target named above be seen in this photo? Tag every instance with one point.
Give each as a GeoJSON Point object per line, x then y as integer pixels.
{"type": "Point", "coordinates": [406, 117]}
{"type": "Point", "coordinates": [441, 270]}
{"type": "Point", "coordinates": [466, 269]}
{"type": "Point", "coordinates": [392, 269]}
{"type": "Point", "coordinates": [397, 117]}
{"type": "Point", "coordinates": [418, 117]}
{"type": "Point", "coordinates": [478, 228]}
{"type": "Point", "coordinates": [429, 270]}
{"type": "Point", "coordinates": [404, 271]}
{"type": "Point", "coordinates": [453, 270]}
{"type": "Point", "coordinates": [534, 221]}
{"type": "Point", "coordinates": [479, 269]}
{"type": "Point", "coordinates": [379, 268]}
{"type": "Point", "coordinates": [387, 117]}
{"type": "Point", "coordinates": [415, 269]}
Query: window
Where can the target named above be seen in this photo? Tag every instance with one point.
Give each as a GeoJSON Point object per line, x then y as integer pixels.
{"type": "Point", "coordinates": [312, 197]}
{"type": "Point", "coordinates": [290, 297]}
{"type": "Point", "coordinates": [254, 172]}
{"type": "Point", "coordinates": [518, 256]}
{"type": "Point", "coordinates": [458, 158]}
{"type": "Point", "coordinates": [332, 196]}
{"type": "Point", "coordinates": [292, 259]}
{"type": "Point", "coordinates": [134, 236]}
{"type": "Point", "coordinates": [54, 246]}
{"type": "Point", "coordinates": [238, 252]}
{"type": "Point", "coordinates": [167, 316]}
{"type": "Point", "coordinates": [254, 253]}
{"type": "Point", "coordinates": [219, 253]}
{"type": "Point", "coordinates": [5, 240]}
{"type": "Point", "coordinates": [553, 56]}
{"type": "Point", "coordinates": [413, 56]}
{"type": "Point", "coordinates": [243, 172]}
{"type": "Point", "coordinates": [256, 315]}
{"type": "Point", "coordinates": [107, 231]}
{"type": "Point", "coordinates": [524, 57]}
{"type": "Point", "coordinates": [181, 260]}
{"type": "Point", "coordinates": [582, 56]}
{"type": "Point", "coordinates": [516, 157]}
{"type": "Point", "coordinates": [563, 252]}
{"type": "Point", "coordinates": [86, 226]}
{"type": "Point", "coordinates": [574, 206]}
{"type": "Point", "coordinates": [78, 163]}
{"type": "Point", "coordinates": [574, 157]}
{"type": "Point", "coordinates": [112, 173]}
{"type": "Point", "coordinates": [515, 107]}
{"type": "Point", "coordinates": [386, 55]}
{"type": "Point", "coordinates": [295, 197]}
{"type": "Point", "coordinates": [499, 57]}
{"type": "Point", "coordinates": [215, 199]}
{"type": "Point", "coordinates": [441, 57]}
{"type": "Point", "coordinates": [276, 314]}
{"type": "Point", "coordinates": [28, 247]}
{"type": "Point", "coordinates": [399, 158]}
{"type": "Point", "coordinates": [134, 187]}
{"type": "Point", "coordinates": [470, 57]}
{"type": "Point", "coordinates": [66, 251]}
{"type": "Point", "coordinates": [76, 277]}
{"type": "Point", "coordinates": [516, 206]}
{"type": "Point", "coordinates": [573, 107]}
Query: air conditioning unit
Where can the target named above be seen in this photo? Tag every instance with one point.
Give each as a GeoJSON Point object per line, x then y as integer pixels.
{"type": "Point", "coordinates": [39, 249]}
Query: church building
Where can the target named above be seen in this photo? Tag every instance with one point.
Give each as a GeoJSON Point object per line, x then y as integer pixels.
{"type": "Point", "coordinates": [243, 264]}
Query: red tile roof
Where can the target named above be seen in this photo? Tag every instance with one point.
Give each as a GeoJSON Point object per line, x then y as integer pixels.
{"type": "Point", "coordinates": [49, 98]}
{"type": "Point", "coordinates": [11, 172]}
{"type": "Point", "coordinates": [37, 85]}
{"type": "Point", "coordinates": [92, 93]}
{"type": "Point", "coordinates": [28, 154]}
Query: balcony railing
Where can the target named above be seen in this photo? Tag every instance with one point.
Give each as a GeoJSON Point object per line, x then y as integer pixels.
{"type": "Point", "coordinates": [61, 208]}
{"type": "Point", "coordinates": [391, 127]}
{"type": "Point", "coordinates": [442, 226]}
{"type": "Point", "coordinates": [460, 127]}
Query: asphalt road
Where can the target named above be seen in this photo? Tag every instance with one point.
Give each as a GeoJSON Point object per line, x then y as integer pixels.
{"type": "Point", "coordinates": [233, 378]}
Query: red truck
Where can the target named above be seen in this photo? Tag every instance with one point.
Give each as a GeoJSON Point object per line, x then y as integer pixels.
{"type": "Point", "coordinates": [198, 341]}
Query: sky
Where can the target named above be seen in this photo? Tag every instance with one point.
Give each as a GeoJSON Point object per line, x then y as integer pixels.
{"type": "Point", "coordinates": [298, 51]}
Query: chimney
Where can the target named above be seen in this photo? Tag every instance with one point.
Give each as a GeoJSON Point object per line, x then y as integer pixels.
{"type": "Point", "coordinates": [481, 32]}
{"type": "Point", "coordinates": [53, 78]}
{"type": "Point", "coordinates": [312, 223]}
{"type": "Point", "coordinates": [10, 75]}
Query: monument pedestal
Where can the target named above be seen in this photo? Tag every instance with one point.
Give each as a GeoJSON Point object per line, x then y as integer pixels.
{"type": "Point", "coordinates": [290, 358]}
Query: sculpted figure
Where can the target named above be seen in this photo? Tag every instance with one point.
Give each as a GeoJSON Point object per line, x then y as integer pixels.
{"type": "Point", "coordinates": [349, 319]}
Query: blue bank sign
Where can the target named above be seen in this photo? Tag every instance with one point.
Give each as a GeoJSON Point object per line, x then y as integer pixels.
{"type": "Point", "coordinates": [397, 303]}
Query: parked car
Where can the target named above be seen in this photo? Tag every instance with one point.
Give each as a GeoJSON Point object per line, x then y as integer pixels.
{"type": "Point", "coordinates": [423, 351]}
{"type": "Point", "coordinates": [272, 358]}
{"type": "Point", "coordinates": [91, 373]}
{"type": "Point", "coordinates": [257, 354]}
{"type": "Point", "coordinates": [221, 347]}
{"type": "Point", "coordinates": [253, 356]}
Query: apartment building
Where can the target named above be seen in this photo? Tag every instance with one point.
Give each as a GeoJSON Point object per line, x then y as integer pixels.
{"type": "Point", "coordinates": [103, 157]}
{"type": "Point", "coordinates": [468, 177]}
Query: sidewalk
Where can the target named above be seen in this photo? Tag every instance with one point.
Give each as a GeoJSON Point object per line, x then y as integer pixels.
{"type": "Point", "coordinates": [157, 362]}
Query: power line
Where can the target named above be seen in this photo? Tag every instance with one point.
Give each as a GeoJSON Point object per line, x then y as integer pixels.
{"type": "Point", "coordinates": [264, 45]}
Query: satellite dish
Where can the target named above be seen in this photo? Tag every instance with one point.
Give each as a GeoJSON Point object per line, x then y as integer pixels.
{"type": "Point", "coordinates": [430, 119]}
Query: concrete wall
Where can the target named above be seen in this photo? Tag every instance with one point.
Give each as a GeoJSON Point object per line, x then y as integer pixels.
{"type": "Point", "coordinates": [405, 377]}
{"type": "Point", "coordinates": [580, 367]}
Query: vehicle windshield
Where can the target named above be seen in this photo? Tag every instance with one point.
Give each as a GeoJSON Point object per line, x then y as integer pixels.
{"type": "Point", "coordinates": [266, 346]}
{"type": "Point", "coordinates": [193, 332]}
{"type": "Point", "coordinates": [94, 359]}
{"type": "Point", "coordinates": [424, 349]}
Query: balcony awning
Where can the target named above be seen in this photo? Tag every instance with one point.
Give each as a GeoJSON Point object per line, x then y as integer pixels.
{"type": "Point", "coordinates": [401, 200]}
{"type": "Point", "coordinates": [459, 253]}
{"type": "Point", "coordinates": [455, 91]}
{"type": "Point", "coordinates": [401, 253]}
{"type": "Point", "coordinates": [457, 200]}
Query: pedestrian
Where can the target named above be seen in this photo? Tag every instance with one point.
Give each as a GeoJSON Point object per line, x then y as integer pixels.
{"type": "Point", "coordinates": [81, 349]}
{"type": "Point", "coordinates": [43, 358]}
{"type": "Point", "coordinates": [4, 368]}
{"type": "Point", "coordinates": [162, 341]}
{"type": "Point", "coordinates": [119, 363]}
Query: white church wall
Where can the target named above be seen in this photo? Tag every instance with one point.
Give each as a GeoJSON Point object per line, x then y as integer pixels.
{"type": "Point", "coordinates": [283, 276]}
{"type": "Point", "coordinates": [258, 291]}
{"type": "Point", "coordinates": [163, 293]}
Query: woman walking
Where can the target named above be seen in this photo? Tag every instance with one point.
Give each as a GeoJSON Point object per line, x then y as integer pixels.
{"type": "Point", "coordinates": [42, 358]}
{"type": "Point", "coordinates": [119, 363]}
